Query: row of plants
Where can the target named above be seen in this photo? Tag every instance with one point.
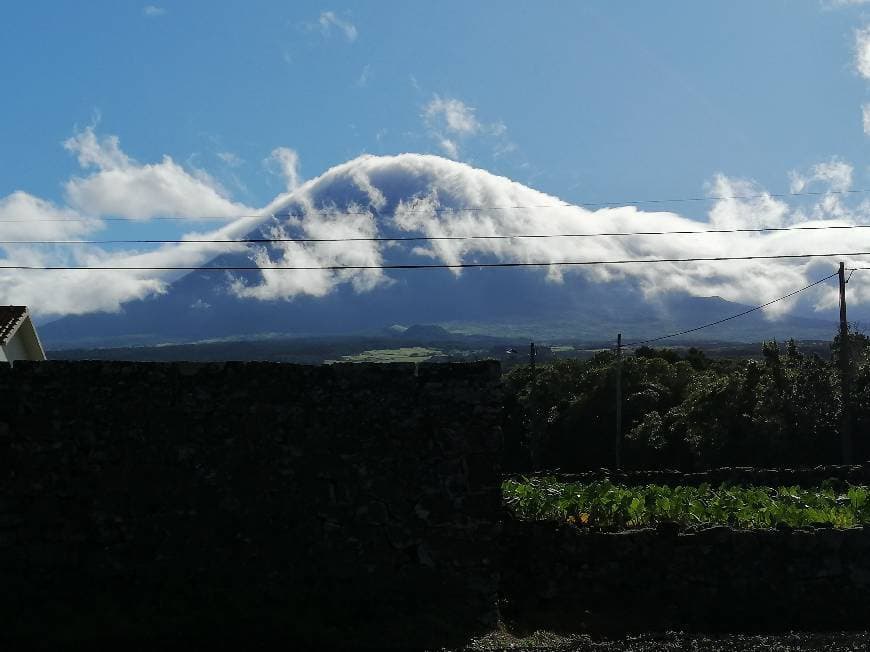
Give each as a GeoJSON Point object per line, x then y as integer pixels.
{"type": "Point", "coordinates": [606, 505]}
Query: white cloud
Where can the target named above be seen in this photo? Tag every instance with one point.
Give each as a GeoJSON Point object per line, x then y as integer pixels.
{"type": "Point", "coordinates": [328, 20]}
{"type": "Point", "coordinates": [79, 292]}
{"type": "Point", "coordinates": [122, 187]}
{"type": "Point", "coordinates": [865, 115]}
{"type": "Point", "coordinates": [451, 115]}
{"type": "Point", "coordinates": [406, 195]}
{"type": "Point", "coordinates": [836, 173]}
{"type": "Point", "coordinates": [862, 52]}
{"type": "Point", "coordinates": [284, 162]}
{"type": "Point", "coordinates": [153, 11]}
{"type": "Point", "coordinates": [837, 4]}
{"type": "Point", "coordinates": [412, 188]}
{"type": "Point", "coordinates": [91, 151]}
{"type": "Point", "coordinates": [25, 217]}
{"type": "Point", "coordinates": [449, 147]}
{"type": "Point", "coordinates": [119, 186]}
{"type": "Point", "coordinates": [317, 282]}
{"type": "Point", "coordinates": [503, 149]}
{"type": "Point", "coordinates": [451, 123]}
{"type": "Point", "coordinates": [758, 211]}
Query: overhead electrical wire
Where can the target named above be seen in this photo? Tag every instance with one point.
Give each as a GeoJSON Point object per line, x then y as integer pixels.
{"type": "Point", "coordinates": [496, 265]}
{"type": "Point", "coordinates": [435, 237]}
{"type": "Point", "coordinates": [722, 321]}
{"type": "Point", "coordinates": [458, 209]}
{"type": "Point", "coordinates": [411, 266]}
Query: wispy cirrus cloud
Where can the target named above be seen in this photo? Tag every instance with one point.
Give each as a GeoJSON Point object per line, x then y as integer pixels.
{"type": "Point", "coordinates": [835, 173]}
{"type": "Point", "coordinates": [329, 21]}
{"type": "Point", "coordinates": [231, 159]}
{"type": "Point", "coordinates": [153, 11]}
{"type": "Point", "coordinates": [451, 115]}
{"type": "Point", "coordinates": [284, 162]}
{"type": "Point", "coordinates": [363, 80]}
{"type": "Point", "coordinates": [450, 122]}
{"type": "Point", "coordinates": [839, 4]}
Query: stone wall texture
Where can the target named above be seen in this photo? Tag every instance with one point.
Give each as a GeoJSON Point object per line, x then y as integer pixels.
{"type": "Point", "coordinates": [349, 504]}
{"type": "Point", "coordinates": [563, 578]}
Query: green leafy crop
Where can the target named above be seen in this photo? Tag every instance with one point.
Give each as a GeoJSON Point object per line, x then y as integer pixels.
{"type": "Point", "coordinates": [603, 504]}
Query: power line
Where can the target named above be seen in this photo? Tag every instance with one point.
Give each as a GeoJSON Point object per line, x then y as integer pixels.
{"type": "Point", "coordinates": [459, 209]}
{"type": "Point", "coordinates": [741, 314]}
{"type": "Point", "coordinates": [409, 266]}
{"type": "Point", "coordinates": [436, 237]}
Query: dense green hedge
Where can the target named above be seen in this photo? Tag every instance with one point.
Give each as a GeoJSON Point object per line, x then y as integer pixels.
{"type": "Point", "coordinates": [685, 411]}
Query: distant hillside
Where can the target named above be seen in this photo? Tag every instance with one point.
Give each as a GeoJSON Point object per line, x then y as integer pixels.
{"type": "Point", "coordinates": [483, 302]}
{"type": "Point", "coordinates": [451, 347]}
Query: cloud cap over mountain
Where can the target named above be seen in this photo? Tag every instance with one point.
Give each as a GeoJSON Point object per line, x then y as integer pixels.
{"type": "Point", "coordinates": [416, 195]}
{"type": "Point", "coordinates": [425, 195]}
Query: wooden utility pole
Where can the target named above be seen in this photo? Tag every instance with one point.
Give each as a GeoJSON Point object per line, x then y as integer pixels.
{"type": "Point", "coordinates": [845, 374]}
{"type": "Point", "coordinates": [617, 449]}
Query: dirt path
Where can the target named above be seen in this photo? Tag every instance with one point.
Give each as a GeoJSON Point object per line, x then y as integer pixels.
{"type": "Point", "coordinates": [795, 641]}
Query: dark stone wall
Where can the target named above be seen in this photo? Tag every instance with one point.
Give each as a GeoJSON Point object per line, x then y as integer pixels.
{"type": "Point", "coordinates": [563, 578]}
{"type": "Point", "coordinates": [349, 504]}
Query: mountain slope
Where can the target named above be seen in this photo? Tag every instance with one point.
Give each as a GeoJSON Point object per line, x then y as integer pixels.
{"type": "Point", "coordinates": [412, 196]}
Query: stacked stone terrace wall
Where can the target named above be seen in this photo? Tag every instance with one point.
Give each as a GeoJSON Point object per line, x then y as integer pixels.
{"type": "Point", "coordinates": [349, 504]}
{"type": "Point", "coordinates": [556, 576]}
{"type": "Point", "coordinates": [719, 579]}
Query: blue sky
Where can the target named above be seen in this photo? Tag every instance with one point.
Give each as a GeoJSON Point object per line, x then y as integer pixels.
{"type": "Point", "coordinates": [586, 101]}
{"type": "Point", "coordinates": [600, 100]}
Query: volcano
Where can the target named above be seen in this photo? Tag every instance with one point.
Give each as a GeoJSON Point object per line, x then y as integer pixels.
{"type": "Point", "coordinates": [359, 204]}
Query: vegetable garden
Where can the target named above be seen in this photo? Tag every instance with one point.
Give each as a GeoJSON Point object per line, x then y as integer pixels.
{"type": "Point", "coordinates": [606, 505]}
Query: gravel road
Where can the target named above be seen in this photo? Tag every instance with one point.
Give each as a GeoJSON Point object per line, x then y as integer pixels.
{"type": "Point", "coordinates": [793, 641]}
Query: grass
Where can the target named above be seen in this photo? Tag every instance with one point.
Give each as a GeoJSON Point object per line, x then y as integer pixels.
{"type": "Point", "coordinates": [403, 354]}
{"type": "Point", "coordinates": [602, 504]}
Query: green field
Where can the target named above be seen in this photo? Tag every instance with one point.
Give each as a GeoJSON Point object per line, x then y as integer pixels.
{"type": "Point", "coordinates": [404, 354]}
{"type": "Point", "coordinates": [603, 504]}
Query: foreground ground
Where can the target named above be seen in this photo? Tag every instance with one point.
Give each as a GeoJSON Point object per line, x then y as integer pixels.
{"type": "Point", "coordinates": [797, 641]}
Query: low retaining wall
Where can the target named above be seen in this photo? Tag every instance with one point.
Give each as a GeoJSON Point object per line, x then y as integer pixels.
{"type": "Point", "coordinates": [564, 578]}
{"type": "Point", "coordinates": [858, 474]}
{"type": "Point", "coordinates": [346, 504]}
{"type": "Point", "coordinates": [350, 505]}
